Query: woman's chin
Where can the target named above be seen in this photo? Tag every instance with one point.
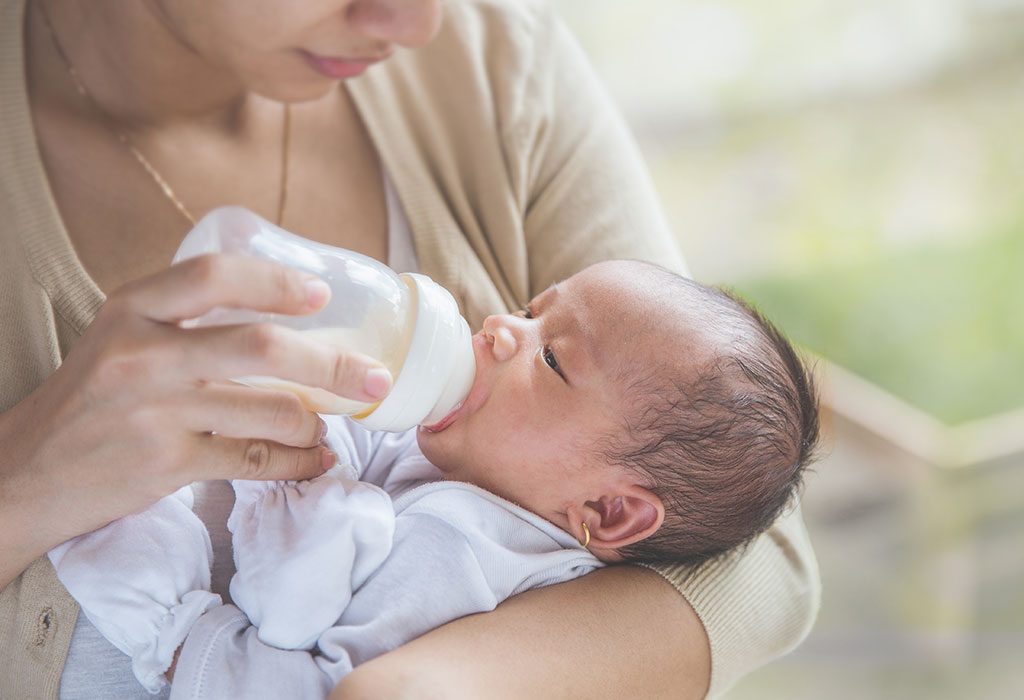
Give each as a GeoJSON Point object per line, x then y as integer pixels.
{"type": "Point", "coordinates": [304, 87]}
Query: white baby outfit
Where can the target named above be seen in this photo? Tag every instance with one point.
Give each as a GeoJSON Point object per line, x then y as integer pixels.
{"type": "Point", "coordinates": [332, 572]}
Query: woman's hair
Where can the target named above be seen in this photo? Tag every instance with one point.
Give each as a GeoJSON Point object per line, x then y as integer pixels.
{"type": "Point", "coordinates": [725, 452]}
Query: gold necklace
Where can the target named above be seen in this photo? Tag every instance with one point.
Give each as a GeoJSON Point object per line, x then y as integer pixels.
{"type": "Point", "coordinates": [123, 137]}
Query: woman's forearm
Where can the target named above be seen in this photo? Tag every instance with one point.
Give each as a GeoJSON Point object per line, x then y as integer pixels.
{"type": "Point", "coordinates": [619, 631]}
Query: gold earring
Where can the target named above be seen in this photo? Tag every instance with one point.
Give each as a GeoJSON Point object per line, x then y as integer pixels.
{"type": "Point", "coordinates": [586, 531]}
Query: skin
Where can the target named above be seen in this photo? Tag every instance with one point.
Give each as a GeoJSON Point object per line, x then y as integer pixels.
{"type": "Point", "coordinates": [550, 385]}
{"type": "Point", "coordinates": [198, 88]}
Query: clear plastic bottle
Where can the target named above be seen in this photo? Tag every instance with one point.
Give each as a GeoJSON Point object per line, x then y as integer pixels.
{"type": "Point", "coordinates": [408, 322]}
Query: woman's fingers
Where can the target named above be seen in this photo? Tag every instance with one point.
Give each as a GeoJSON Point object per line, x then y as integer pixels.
{"type": "Point", "coordinates": [265, 349]}
{"type": "Point", "coordinates": [234, 411]}
{"type": "Point", "coordinates": [194, 286]}
{"type": "Point", "coordinates": [218, 457]}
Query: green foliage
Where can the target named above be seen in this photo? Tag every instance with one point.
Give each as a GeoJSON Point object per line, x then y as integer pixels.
{"type": "Point", "coordinates": [941, 327]}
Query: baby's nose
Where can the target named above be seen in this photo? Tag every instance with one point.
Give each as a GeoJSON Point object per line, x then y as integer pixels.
{"type": "Point", "coordinates": [503, 340]}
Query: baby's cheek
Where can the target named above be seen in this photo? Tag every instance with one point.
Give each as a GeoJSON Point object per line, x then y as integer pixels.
{"type": "Point", "coordinates": [524, 417]}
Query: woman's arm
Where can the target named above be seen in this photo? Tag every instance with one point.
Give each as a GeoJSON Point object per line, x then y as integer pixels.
{"type": "Point", "coordinates": [621, 631]}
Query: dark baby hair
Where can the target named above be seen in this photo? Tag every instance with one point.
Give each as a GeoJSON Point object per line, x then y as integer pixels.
{"type": "Point", "coordinates": [725, 452]}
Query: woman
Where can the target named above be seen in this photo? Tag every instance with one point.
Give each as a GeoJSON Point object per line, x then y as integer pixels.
{"type": "Point", "coordinates": [506, 169]}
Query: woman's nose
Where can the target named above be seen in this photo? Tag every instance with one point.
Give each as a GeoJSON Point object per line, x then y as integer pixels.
{"type": "Point", "coordinates": [501, 333]}
{"type": "Point", "coordinates": [409, 23]}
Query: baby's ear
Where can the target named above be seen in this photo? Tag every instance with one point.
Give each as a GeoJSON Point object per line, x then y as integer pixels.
{"type": "Point", "coordinates": [620, 519]}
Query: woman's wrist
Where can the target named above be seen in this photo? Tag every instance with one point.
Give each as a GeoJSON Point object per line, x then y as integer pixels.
{"type": "Point", "coordinates": [17, 550]}
{"type": "Point", "coordinates": [29, 516]}
{"type": "Point", "coordinates": [20, 542]}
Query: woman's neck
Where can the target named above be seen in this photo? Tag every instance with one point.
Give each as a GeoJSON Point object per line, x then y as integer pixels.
{"type": "Point", "coordinates": [133, 63]}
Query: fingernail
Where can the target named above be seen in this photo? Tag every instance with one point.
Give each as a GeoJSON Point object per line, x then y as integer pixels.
{"type": "Point", "coordinates": [317, 292]}
{"type": "Point", "coordinates": [329, 458]}
{"type": "Point", "coordinates": [377, 382]}
{"type": "Point", "coordinates": [321, 431]}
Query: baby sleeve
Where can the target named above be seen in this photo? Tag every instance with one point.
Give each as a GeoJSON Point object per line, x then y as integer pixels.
{"type": "Point", "coordinates": [458, 550]}
{"type": "Point", "coordinates": [143, 581]}
{"type": "Point", "coordinates": [301, 549]}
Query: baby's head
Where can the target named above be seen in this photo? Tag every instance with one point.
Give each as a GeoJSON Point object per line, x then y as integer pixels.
{"type": "Point", "coordinates": [667, 416]}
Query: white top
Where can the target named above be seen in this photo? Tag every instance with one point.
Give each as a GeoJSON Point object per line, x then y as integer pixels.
{"type": "Point", "coordinates": [96, 670]}
{"type": "Point", "coordinates": [353, 569]}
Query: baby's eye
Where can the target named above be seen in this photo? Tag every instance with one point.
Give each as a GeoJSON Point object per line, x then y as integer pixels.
{"type": "Point", "coordinates": [549, 359]}
{"type": "Point", "coordinates": [525, 312]}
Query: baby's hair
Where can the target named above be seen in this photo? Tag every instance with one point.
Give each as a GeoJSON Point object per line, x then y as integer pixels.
{"type": "Point", "coordinates": [725, 452]}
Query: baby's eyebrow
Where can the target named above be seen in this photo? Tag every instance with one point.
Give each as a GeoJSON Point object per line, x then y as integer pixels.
{"type": "Point", "coordinates": [552, 289]}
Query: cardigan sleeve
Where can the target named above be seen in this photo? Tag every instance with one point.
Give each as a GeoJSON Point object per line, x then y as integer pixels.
{"type": "Point", "coordinates": [585, 192]}
{"type": "Point", "coordinates": [587, 197]}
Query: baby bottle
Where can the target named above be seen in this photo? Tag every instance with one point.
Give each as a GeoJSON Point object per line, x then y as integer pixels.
{"type": "Point", "coordinates": [408, 322]}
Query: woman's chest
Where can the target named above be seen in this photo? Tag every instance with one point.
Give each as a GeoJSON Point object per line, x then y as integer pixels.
{"type": "Point", "coordinates": [127, 210]}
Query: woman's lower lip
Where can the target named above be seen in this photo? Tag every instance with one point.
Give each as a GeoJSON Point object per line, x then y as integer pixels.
{"type": "Point", "coordinates": [336, 68]}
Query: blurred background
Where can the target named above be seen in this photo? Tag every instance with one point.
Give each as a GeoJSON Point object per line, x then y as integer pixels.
{"type": "Point", "coordinates": [856, 168]}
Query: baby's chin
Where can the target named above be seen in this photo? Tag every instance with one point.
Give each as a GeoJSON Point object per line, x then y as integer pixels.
{"type": "Point", "coordinates": [433, 447]}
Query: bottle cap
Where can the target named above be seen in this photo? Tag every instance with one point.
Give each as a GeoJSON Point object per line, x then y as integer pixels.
{"type": "Point", "coordinates": [439, 367]}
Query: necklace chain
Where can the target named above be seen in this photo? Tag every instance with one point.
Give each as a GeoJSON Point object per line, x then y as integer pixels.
{"type": "Point", "coordinates": [126, 140]}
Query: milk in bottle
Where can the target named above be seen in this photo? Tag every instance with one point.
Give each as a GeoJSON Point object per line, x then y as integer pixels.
{"type": "Point", "coordinates": [407, 322]}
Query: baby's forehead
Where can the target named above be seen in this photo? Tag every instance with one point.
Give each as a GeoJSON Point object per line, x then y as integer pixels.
{"type": "Point", "coordinates": [631, 296]}
{"type": "Point", "coordinates": [637, 286]}
{"type": "Point", "coordinates": [639, 318]}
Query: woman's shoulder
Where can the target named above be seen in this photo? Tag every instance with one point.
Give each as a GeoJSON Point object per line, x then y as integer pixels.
{"type": "Point", "coordinates": [453, 122]}
{"type": "Point", "coordinates": [507, 22]}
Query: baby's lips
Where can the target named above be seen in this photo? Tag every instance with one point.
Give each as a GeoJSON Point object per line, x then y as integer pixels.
{"type": "Point", "coordinates": [444, 422]}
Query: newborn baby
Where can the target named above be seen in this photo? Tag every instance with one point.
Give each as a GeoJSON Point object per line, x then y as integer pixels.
{"type": "Point", "coordinates": [624, 415]}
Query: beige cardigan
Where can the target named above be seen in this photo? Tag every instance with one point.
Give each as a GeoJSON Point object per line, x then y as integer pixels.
{"type": "Point", "coordinates": [514, 171]}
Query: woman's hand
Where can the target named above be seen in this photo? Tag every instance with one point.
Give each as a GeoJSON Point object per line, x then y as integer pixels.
{"type": "Point", "coordinates": [141, 407]}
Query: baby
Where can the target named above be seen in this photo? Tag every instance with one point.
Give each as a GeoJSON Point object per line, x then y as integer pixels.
{"type": "Point", "coordinates": [626, 414]}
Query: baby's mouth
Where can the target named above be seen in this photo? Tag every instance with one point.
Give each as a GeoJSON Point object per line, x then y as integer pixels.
{"type": "Point", "coordinates": [444, 422]}
{"type": "Point", "coordinates": [476, 393]}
